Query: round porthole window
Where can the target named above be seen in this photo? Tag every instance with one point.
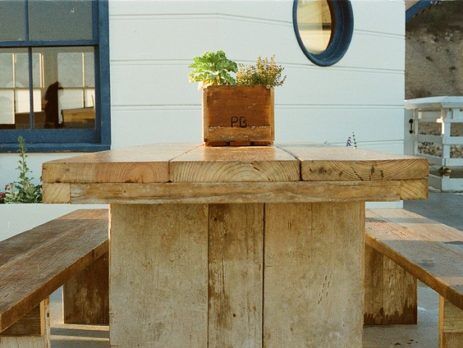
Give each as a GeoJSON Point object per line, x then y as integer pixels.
{"type": "Point", "coordinates": [323, 29]}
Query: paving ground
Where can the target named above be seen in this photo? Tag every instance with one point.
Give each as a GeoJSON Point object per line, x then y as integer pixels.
{"type": "Point", "coordinates": [444, 207]}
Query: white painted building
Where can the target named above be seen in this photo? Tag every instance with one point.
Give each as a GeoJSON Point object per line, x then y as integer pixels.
{"type": "Point", "coordinates": [151, 44]}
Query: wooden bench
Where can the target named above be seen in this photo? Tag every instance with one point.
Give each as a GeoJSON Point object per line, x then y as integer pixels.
{"type": "Point", "coordinates": [71, 251]}
{"type": "Point", "coordinates": [402, 247]}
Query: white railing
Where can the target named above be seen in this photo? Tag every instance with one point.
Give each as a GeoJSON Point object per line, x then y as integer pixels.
{"type": "Point", "coordinates": [436, 127]}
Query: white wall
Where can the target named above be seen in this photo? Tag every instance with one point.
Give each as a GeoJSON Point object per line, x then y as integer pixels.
{"type": "Point", "coordinates": [153, 42]}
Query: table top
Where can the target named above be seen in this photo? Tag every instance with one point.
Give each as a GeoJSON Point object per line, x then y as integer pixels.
{"type": "Point", "coordinates": [186, 173]}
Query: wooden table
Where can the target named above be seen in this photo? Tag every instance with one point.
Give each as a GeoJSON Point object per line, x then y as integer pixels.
{"type": "Point", "coordinates": [236, 247]}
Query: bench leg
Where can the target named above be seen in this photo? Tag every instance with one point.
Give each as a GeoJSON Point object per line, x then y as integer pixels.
{"type": "Point", "coordinates": [450, 325]}
{"type": "Point", "coordinates": [85, 296]}
{"type": "Point", "coordinates": [390, 292]}
{"type": "Point", "coordinates": [32, 331]}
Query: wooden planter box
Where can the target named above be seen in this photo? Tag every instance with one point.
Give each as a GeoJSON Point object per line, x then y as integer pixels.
{"type": "Point", "coordinates": [238, 115]}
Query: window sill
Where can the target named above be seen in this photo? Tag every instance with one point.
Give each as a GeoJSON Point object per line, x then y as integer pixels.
{"type": "Point", "coordinates": [51, 147]}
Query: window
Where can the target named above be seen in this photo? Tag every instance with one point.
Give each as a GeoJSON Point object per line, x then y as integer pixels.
{"type": "Point", "coordinates": [54, 75]}
{"type": "Point", "coordinates": [323, 29]}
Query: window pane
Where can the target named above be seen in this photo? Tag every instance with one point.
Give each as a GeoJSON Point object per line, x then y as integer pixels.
{"type": "Point", "coordinates": [6, 108]}
{"type": "Point", "coordinates": [89, 65]}
{"type": "Point", "coordinates": [314, 24]}
{"type": "Point", "coordinates": [70, 69]}
{"type": "Point", "coordinates": [60, 20]}
{"type": "Point", "coordinates": [14, 88]}
{"type": "Point", "coordinates": [63, 96]}
{"type": "Point", "coordinates": [12, 19]}
{"type": "Point", "coordinates": [21, 70]}
{"type": "Point", "coordinates": [6, 69]}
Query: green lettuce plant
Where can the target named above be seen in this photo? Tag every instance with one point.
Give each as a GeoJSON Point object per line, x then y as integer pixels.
{"type": "Point", "coordinates": [24, 190]}
{"type": "Point", "coordinates": [213, 69]}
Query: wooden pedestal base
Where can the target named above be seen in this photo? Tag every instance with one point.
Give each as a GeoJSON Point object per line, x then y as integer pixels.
{"type": "Point", "coordinates": [450, 325]}
{"type": "Point", "coordinates": [237, 275]}
{"type": "Point", "coordinates": [32, 331]}
{"type": "Point", "coordinates": [390, 292]}
{"type": "Point", "coordinates": [85, 296]}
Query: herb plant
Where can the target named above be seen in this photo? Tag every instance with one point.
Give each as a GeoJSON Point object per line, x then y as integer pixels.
{"type": "Point", "coordinates": [351, 141]}
{"type": "Point", "coordinates": [24, 190]}
{"type": "Point", "coordinates": [213, 69]}
{"type": "Point", "coordinates": [264, 73]}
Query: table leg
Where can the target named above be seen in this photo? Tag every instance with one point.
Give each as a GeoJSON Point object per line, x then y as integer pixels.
{"type": "Point", "coordinates": [158, 275]}
{"type": "Point", "coordinates": [235, 275]}
{"type": "Point", "coordinates": [313, 275]}
{"type": "Point", "coordinates": [85, 295]}
{"type": "Point", "coordinates": [390, 292]}
{"type": "Point", "coordinates": [31, 331]}
{"type": "Point", "coordinates": [450, 325]}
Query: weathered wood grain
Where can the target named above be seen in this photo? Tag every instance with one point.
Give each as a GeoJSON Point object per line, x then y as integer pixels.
{"type": "Point", "coordinates": [141, 164]}
{"type": "Point", "coordinates": [232, 164]}
{"type": "Point", "coordinates": [32, 331]}
{"type": "Point", "coordinates": [56, 193]}
{"type": "Point", "coordinates": [86, 295]}
{"type": "Point", "coordinates": [390, 292]}
{"type": "Point", "coordinates": [27, 275]}
{"type": "Point", "coordinates": [158, 275]}
{"type": "Point", "coordinates": [313, 274]}
{"type": "Point", "coordinates": [235, 275]}
{"type": "Point", "coordinates": [427, 250]}
{"type": "Point", "coordinates": [238, 114]}
{"type": "Point", "coordinates": [245, 192]}
{"type": "Point", "coordinates": [414, 189]}
{"type": "Point", "coordinates": [343, 163]}
{"type": "Point", "coordinates": [450, 325]}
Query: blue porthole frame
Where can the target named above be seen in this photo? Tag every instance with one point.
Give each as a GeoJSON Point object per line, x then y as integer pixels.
{"type": "Point", "coordinates": [71, 140]}
{"type": "Point", "coordinates": [342, 18]}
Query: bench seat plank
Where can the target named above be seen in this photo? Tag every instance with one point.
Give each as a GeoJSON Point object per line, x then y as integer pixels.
{"type": "Point", "coordinates": [430, 251]}
{"type": "Point", "coordinates": [35, 263]}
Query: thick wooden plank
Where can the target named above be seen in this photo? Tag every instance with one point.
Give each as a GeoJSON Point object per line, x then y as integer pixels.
{"type": "Point", "coordinates": [235, 275]}
{"type": "Point", "coordinates": [86, 295]}
{"type": "Point", "coordinates": [56, 193]}
{"type": "Point", "coordinates": [141, 164]}
{"type": "Point", "coordinates": [450, 325]}
{"type": "Point", "coordinates": [158, 275]}
{"type": "Point", "coordinates": [343, 163]}
{"type": "Point", "coordinates": [32, 331]}
{"type": "Point", "coordinates": [313, 274]}
{"type": "Point", "coordinates": [246, 192]}
{"type": "Point", "coordinates": [35, 263]}
{"type": "Point", "coordinates": [414, 189]}
{"type": "Point", "coordinates": [390, 292]}
{"type": "Point", "coordinates": [428, 250]}
{"type": "Point", "coordinates": [226, 164]}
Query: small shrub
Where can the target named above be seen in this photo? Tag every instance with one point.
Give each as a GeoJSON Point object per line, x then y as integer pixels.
{"type": "Point", "coordinates": [351, 141]}
{"type": "Point", "coordinates": [264, 73]}
{"type": "Point", "coordinates": [23, 191]}
{"type": "Point", "coordinates": [213, 69]}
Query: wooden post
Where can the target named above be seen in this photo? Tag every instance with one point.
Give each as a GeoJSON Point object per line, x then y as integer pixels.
{"type": "Point", "coordinates": [450, 325]}
{"type": "Point", "coordinates": [390, 292]}
{"type": "Point", "coordinates": [158, 275]}
{"type": "Point", "coordinates": [32, 331]}
{"type": "Point", "coordinates": [85, 296]}
{"type": "Point", "coordinates": [313, 275]}
{"type": "Point", "coordinates": [235, 275]}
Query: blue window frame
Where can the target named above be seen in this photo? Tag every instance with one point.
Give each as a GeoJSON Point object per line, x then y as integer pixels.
{"type": "Point", "coordinates": [85, 32]}
{"type": "Point", "coordinates": [323, 29]}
